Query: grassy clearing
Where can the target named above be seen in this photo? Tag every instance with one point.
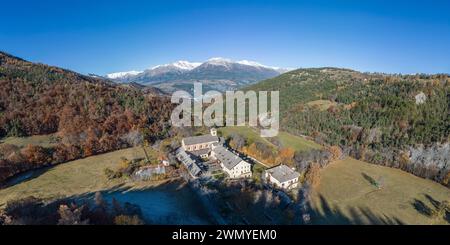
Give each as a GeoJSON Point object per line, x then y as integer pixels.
{"type": "Point", "coordinates": [76, 178]}
{"type": "Point", "coordinates": [286, 139]}
{"type": "Point", "coordinates": [250, 134]}
{"type": "Point", "coordinates": [39, 140]}
{"type": "Point", "coordinates": [349, 197]}
{"type": "Point", "coordinates": [297, 143]}
{"type": "Point", "coordinates": [321, 105]}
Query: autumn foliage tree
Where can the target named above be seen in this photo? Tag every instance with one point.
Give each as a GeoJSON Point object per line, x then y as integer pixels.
{"type": "Point", "coordinates": [36, 155]}
{"type": "Point", "coordinates": [261, 151]}
{"type": "Point", "coordinates": [336, 152]}
{"type": "Point", "coordinates": [286, 156]}
{"type": "Point", "coordinates": [313, 175]}
{"type": "Point", "coordinates": [88, 115]}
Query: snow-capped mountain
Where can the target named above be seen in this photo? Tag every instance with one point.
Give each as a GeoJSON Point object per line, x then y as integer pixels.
{"type": "Point", "coordinates": [119, 75]}
{"type": "Point", "coordinates": [219, 61]}
{"type": "Point", "coordinates": [176, 67]}
{"type": "Point", "coordinates": [256, 64]}
{"type": "Point", "coordinates": [218, 73]}
{"type": "Point", "coordinates": [182, 65]}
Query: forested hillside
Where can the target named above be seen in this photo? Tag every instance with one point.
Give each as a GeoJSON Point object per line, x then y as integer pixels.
{"type": "Point", "coordinates": [401, 121]}
{"type": "Point", "coordinates": [87, 115]}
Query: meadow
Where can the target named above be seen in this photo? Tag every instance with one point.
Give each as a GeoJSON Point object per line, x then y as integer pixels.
{"type": "Point", "coordinates": [347, 195]}
{"type": "Point", "coordinates": [287, 140]}
{"type": "Point", "coordinates": [76, 178]}
{"type": "Point", "coordinates": [348, 191]}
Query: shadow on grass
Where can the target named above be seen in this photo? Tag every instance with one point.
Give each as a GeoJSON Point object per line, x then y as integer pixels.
{"type": "Point", "coordinates": [171, 203]}
{"type": "Point", "coordinates": [371, 180]}
{"type": "Point", "coordinates": [432, 209]}
{"type": "Point", "coordinates": [422, 208]}
{"type": "Point", "coordinates": [269, 210]}
{"type": "Point", "coordinates": [24, 177]}
{"type": "Point", "coordinates": [89, 208]}
{"type": "Point", "coordinates": [433, 201]}
{"type": "Point", "coordinates": [242, 210]}
{"type": "Point", "coordinates": [329, 215]}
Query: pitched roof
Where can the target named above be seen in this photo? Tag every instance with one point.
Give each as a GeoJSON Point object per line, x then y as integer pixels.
{"type": "Point", "coordinates": [283, 173]}
{"type": "Point", "coordinates": [188, 162]}
{"type": "Point", "coordinates": [200, 139]}
{"type": "Point", "coordinates": [226, 157]}
{"type": "Point", "coordinates": [148, 172]}
{"type": "Point", "coordinates": [201, 152]}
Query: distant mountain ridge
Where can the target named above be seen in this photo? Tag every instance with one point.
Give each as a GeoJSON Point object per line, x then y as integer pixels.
{"type": "Point", "coordinates": [216, 73]}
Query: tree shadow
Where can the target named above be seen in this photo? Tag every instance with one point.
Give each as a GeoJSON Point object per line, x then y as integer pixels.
{"type": "Point", "coordinates": [428, 211]}
{"type": "Point", "coordinates": [269, 209]}
{"type": "Point", "coordinates": [433, 201]}
{"type": "Point", "coordinates": [120, 200]}
{"type": "Point", "coordinates": [329, 215]}
{"type": "Point", "coordinates": [371, 180]}
{"type": "Point", "coordinates": [24, 177]}
{"type": "Point", "coordinates": [422, 208]}
{"type": "Point", "coordinates": [265, 210]}
{"type": "Point", "coordinates": [88, 208]}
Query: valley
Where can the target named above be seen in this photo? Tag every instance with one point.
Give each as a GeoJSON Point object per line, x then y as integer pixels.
{"type": "Point", "coordinates": [268, 122]}
{"type": "Point", "coordinates": [355, 148]}
{"type": "Point", "coordinates": [345, 194]}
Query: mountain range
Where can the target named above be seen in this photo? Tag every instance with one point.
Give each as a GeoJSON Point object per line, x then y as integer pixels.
{"type": "Point", "coordinates": [215, 74]}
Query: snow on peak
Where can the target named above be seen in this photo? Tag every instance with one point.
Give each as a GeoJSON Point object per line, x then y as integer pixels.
{"type": "Point", "coordinates": [224, 61]}
{"type": "Point", "coordinates": [117, 75]}
{"type": "Point", "coordinates": [186, 65]}
{"type": "Point", "coordinates": [256, 64]}
{"type": "Point", "coordinates": [250, 63]}
{"type": "Point", "coordinates": [182, 64]}
{"type": "Point", "coordinates": [218, 61]}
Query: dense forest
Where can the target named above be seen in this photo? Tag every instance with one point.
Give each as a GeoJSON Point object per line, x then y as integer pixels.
{"type": "Point", "coordinates": [87, 115]}
{"type": "Point", "coordinates": [400, 121]}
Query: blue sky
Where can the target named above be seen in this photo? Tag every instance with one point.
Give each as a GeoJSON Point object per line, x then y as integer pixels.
{"type": "Point", "coordinates": [97, 36]}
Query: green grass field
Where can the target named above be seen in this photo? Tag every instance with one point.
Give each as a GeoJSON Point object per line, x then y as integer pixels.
{"type": "Point", "coordinates": [39, 140]}
{"type": "Point", "coordinates": [286, 139]}
{"type": "Point", "coordinates": [297, 143]}
{"type": "Point", "coordinates": [250, 134]}
{"type": "Point", "coordinates": [75, 178]}
{"type": "Point", "coordinates": [349, 197]}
